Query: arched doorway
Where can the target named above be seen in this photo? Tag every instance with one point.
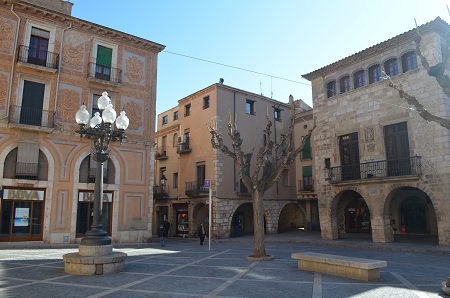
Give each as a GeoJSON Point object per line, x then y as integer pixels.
{"type": "Point", "coordinates": [292, 218]}
{"type": "Point", "coordinates": [241, 223]}
{"type": "Point", "coordinates": [352, 214]}
{"type": "Point", "coordinates": [412, 216]}
{"type": "Point", "coordinates": [200, 214]}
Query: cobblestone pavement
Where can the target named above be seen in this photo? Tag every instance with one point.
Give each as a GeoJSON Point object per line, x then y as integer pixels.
{"type": "Point", "coordinates": [183, 268]}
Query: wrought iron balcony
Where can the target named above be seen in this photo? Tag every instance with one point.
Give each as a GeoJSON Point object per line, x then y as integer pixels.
{"type": "Point", "coordinates": [105, 73]}
{"type": "Point", "coordinates": [195, 189]}
{"type": "Point", "coordinates": [161, 153]}
{"type": "Point", "coordinates": [92, 172]}
{"type": "Point", "coordinates": [38, 57]}
{"type": "Point", "coordinates": [26, 170]}
{"type": "Point", "coordinates": [307, 184]}
{"type": "Point", "coordinates": [183, 148]}
{"type": "Point", "coordinates": [31, 116]}
{"type": "Point", "coordinates": [160, 192]}
{"type": "Point", "coordinates": [410, 166]}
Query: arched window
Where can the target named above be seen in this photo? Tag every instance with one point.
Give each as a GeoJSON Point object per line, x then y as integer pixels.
{"type": "Point", "coordinates": [374, 73]}
{"type": "Point", "coordinates": [391, 67]}
{"type": "Point", "coordinates": [359, 79]}
{"type": "Point", "coordinates": [409, 61]}
{"type": "Point", "coordinates": [331, 89]}
{"type": "Point", "coordinates": [344, 84]}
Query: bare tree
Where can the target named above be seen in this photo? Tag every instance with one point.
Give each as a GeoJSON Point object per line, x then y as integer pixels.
{"type": "Point", "coordinates": [438, 72]}
{"type": "Point", "coordinates": [267, 170]}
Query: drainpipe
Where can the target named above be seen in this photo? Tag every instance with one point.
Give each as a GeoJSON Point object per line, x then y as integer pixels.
{"type": "Point", "coordinates": [59, 66]}
{"type": "Point", "coordinates": [234, 119]}
{"type": "Point", "coordinates": [13, 63]}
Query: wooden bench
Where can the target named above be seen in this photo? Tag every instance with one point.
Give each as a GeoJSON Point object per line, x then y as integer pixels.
{"type": "Point", "coordinates": [355, 268]}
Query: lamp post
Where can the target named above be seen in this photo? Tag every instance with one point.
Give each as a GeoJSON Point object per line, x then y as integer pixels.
{"type": "Point", "coordinates": [99, 128]}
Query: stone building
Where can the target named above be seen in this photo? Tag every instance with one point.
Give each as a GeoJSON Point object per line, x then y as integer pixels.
{"type": "Point", "coordinates": [51, 63]}
{"type": "Point", "coordinates": [184, 159]}
{"type": "Point", "coordinates": [381, 170]}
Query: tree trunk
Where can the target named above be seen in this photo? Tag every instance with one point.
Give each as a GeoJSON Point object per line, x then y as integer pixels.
{"type": "Point", "coordinates": [258, 224]}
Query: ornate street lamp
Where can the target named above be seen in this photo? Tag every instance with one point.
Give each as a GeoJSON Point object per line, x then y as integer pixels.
{"type": "Point", "coordinates": [100, 129]}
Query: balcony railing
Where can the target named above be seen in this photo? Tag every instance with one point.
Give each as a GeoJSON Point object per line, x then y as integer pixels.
{"type": "Point", "coordinates": [183, 147]}
{"type": "Point", "coordinates": [25, 170]}
{"type": "Point", "coordinates": [31, 116]}
{"type": "Point", "coordinates": [92, 173]}
{"type": "Point", "coordinates": [307, 184]}
{"type": "Point", "coordinates": [161, 153]}
{"type": "Point", "coordinates": [160, 192]}
{"type": "Point", "coordinates": [105, 73]}
{"type": "Point", "coordinates": [195, 189]}
{"type": "Point", "coordinates": [38, 57]}
{"type": "Point", "coordinates": [410, 166]}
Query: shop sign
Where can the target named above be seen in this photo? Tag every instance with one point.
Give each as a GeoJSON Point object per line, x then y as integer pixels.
{"type": "Point", "coordinates": [23, 194]}
{"type": "Point", "coordinates": [85, 196]}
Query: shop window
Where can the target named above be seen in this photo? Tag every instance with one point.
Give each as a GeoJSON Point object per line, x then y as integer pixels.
{"type": "Point", "coordinates": [85, 212]}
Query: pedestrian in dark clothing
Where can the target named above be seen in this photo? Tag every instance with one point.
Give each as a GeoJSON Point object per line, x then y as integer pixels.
{"type": "Point", "coordinates": [161, 234]}
{"type": "Point", "coordinates": [236, 227]}
{"type": "Point", "coordinates": [201, 233]}
{"type": "Point", "coordinates": [166, 225]}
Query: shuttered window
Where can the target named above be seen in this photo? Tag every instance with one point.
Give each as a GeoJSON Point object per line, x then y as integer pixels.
{"type": "Point", "coordinates": [104, 56]}
{"type": "Point", "coordinates": [27, 160]}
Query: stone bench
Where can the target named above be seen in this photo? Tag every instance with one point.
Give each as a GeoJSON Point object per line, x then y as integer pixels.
{"type": "Point", "coordinates": [355, 268]}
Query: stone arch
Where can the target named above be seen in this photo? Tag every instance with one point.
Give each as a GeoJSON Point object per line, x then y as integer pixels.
{"type": "Point", "coordinates": [292, 217]}
{"type": "Point", "coordinates": [83, 155]}
{"type": "Point", "coordinates": [411, 214]}
{"type": "Point", "coordinates": [245, 214]}
{"type": "Point", "coordinates": [350, 213]}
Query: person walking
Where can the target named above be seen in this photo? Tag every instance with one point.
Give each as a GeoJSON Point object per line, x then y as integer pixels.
{"type": "Point", "coordinates": [201, 233]}
{"type": "Point", "coordinates": [166, 225]}
{"type": "Point", "coordinates": [161, 235]}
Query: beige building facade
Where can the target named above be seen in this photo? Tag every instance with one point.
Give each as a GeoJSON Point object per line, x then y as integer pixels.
{"type": "Point", "coordinates": [381, 170]}
{"type": "Point", "coordinates": [50, 64]}
{"type": "Point", "coordinates": [185, 159]}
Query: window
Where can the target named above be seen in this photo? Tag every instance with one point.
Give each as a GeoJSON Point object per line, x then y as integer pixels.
{"type": "Point", "coordinates": [306, 152]}
{"type": "Point", "coordinates": [103, 63]}
{"type": "Point", "coordinates": [38, 49]}
{"type": "Point", "coordinates": [374, 73]}
{"type": "Point", "coordinates": [331, 89]}
{"type": "Point", "coordinates": [344, 84]}
{"type": "Point", "coordinates": [175, 115]}
{"type": "Point", "coordinates": [165, 119]}
{"type": "Point", "coordinates": [277, 114]}
{"type": "Point", "coordinates": [250, 107]}
{"type": "Point", "coordinates": [39, 45]}
{"type": "Point", "coordinates": [359, 79]}
{"type": "Point", "coordinates": [409, 61]}
{"type": "Point", "coordinates": [175, 180]}
{"type": "Point", "coordinates": [396, 143]}
{"type": "Point", "coordinates": [285, 178]}
{"type": "Point", "coordinates": [31, 112]}
{"type": "Point", "coordinates": [187, 110]}
{"type": "Point", "coordinates": [391, 67]}
{"type": "Point", "coordinates": [327, 162]}
{"type": "Point", "coordinates": [307, 179]}
{"type": "Point", "coordinates": [205, 102]}
{"type": "Point", "coordinates": [349, 153]}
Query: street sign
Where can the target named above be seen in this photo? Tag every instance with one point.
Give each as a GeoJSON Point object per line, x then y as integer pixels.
{"type": "Point", "coordinates": [207, 183]}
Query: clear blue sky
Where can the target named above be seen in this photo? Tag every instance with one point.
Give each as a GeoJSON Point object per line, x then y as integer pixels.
{"type": "Point", "coordinates": [275, 37]}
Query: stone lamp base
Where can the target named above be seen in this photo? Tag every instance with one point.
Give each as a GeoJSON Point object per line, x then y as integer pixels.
{"type": "Point", "coordinates": [94, 260]}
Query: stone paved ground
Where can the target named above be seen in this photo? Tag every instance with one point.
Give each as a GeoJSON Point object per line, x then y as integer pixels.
{"type": "Point", "coordinates": [183, 268]}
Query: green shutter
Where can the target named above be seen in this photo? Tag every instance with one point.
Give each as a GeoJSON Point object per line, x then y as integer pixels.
{"type": "Point", "coordinates": [306, 152]}
{"type": "Point", "coordinates": [307, 171]}
{"type": "Point", "coordinates": [104, 56]}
